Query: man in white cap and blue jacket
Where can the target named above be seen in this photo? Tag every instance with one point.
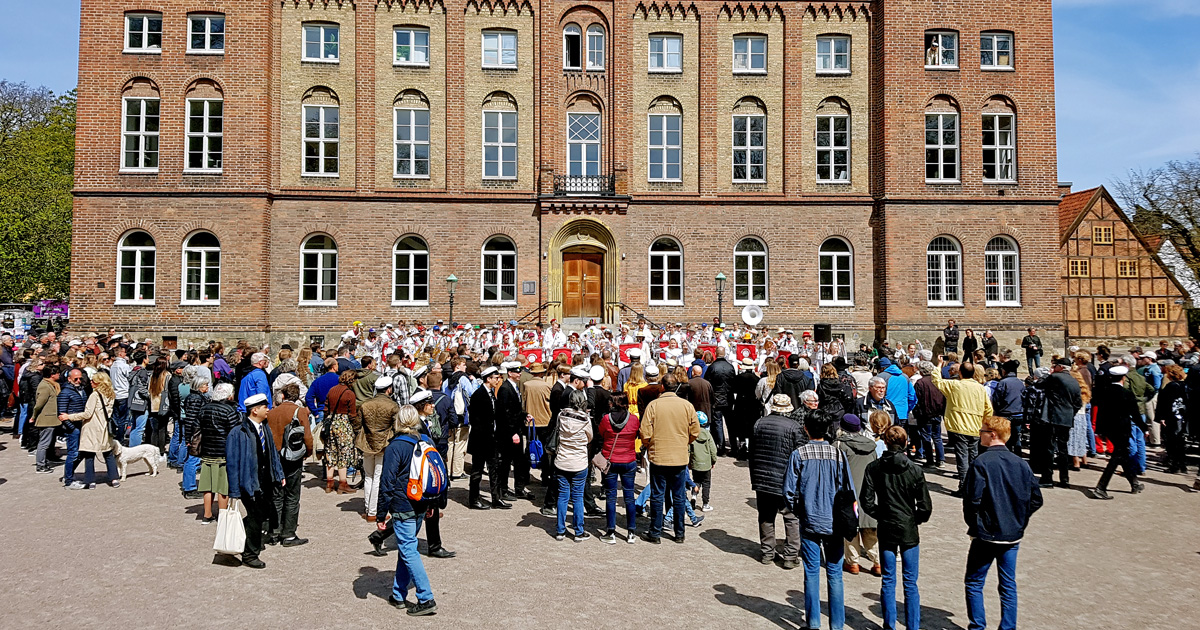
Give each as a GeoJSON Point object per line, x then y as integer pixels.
{"type": "Point", "coordinates": [253, 468]}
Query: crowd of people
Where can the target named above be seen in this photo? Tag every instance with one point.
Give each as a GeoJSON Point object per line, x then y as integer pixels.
{"type": "Point", "coordinates": [838, 442]}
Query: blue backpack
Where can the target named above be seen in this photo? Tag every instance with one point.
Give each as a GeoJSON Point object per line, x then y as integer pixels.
{"type": "Point", "coordinates": [427, 477]}
{"type": "Point", "coordinates": [536, 450]}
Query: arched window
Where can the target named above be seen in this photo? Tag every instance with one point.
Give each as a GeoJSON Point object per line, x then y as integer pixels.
{"type": "Point", "coordinates": [835, 269]}
{"type": "Point", "coordinates": [572, 47]}
{"type": "Point", "coordinates": [202, 269]}
{"type": "Point", "coordinates": [999, 141]}
{"type": "Point", "coordinates": [318, 271]}
{"type": "Point", "coordinates": [499, 284]}
{"type": "Point", "coordinates": [944, 277]}
{"type": "Point", "coordinates": [140, 129]}
{"type": "Point", "coordinates": [410, 275]}
{"type": "Point", "coordinates": [666, 272]}
{"type": "Point", "coordinates": [135, 269]}
{"type": "Point", "coordinates": [595, 47]}
{"type": "Point", "coordinates": [750, 272]}
{"type": "Point", "coordinates": [1002, 272]}
{"type": "Point", "coordinates": [941, 141]}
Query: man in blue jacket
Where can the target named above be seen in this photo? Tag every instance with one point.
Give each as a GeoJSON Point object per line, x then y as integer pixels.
{"type": "Point", "coordinates": [72, 399]}
{"type": "Point", "coordinates": [899, 390]}
{"type": "Point", "coordinates": [255, 381]}
{"type": "Point", "coordinates": [1001, 494]}
{"type": "Point", "coordinates": [253, 469]}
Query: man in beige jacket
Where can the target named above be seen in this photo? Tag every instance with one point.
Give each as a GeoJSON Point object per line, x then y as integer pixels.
{"type": "Point", "coordinates": [669, 425]}
{"type": "Point", "coordinates": [377, 416]}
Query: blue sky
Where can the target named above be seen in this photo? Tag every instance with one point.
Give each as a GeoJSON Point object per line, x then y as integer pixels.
{"type": "Point", "coordinates": [1128, 77]}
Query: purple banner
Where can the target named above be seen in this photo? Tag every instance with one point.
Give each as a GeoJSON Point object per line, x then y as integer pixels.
{"type": "Point", "coordinates": [51, 308]}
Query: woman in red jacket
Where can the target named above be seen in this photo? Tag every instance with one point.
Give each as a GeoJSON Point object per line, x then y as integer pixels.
{"type": "Point", "coordinates": [618, 434]}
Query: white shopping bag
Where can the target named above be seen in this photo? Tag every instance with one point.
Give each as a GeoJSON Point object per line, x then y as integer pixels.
{"type": "Point", "coordinates": [231, 533]}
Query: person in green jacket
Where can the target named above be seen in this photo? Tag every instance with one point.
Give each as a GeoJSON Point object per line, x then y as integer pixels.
{"type": "Point", "coordinates": [703, 458]}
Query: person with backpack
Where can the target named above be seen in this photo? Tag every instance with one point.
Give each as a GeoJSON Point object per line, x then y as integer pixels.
{"type": "Point", "coordinates": [432, 430]}
{"type": "Point", "coordinates": [289, 422]}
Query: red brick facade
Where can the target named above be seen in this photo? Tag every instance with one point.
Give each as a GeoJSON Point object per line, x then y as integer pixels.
{"type": "Point", "coordinates": [262, 208]}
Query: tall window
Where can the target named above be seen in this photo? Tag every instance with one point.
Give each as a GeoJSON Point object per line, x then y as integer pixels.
{"type": "Point", "coordinates": [941, 148]}
{"type": "Point", "coordinates": [499, 49]}
{"type": "Point", "coordinates": [833, 55]}
{"type": "Point", "coordinates": [143, 32]}
{"type": "Point", "coordinates": [204, 135]}
{"type": "Point", "coordinates": [833, 149]}
{"type": "Point", "coordinates": [572, 47]}
{"type": "Point", "coordinates": [206, 33]}
{"type": "Point", "coordinates": [1001, 273]}
{"type": "Point", "coordinates": [499, 145]}
{"type": "Point", "coordinates": [321, 140]}
{"type": "Point", "coordinates": [749, 148]}
{"type": "Point", "coordinates": [202, 269]}
{"type": "Point", "coordinates": [135, 269]}
{"type": "Point", "coordinates": [943, 263]}
{"type": "Point", "coordinates": [583, 144]}
{"type": "Point", "coordinates": [412, 47]}
{"type": "Point", "coordinates": [750, 54]}
{"type": "Point", "coordinates": [665, 147]}
{"type": "Point", "coordinates": [666, 272]}
{"type": "Point", "coordinates": [999, 148]}
{"type": "Point", "coordinates": [321, 42]}
{"type": "Point", "coordinates": [595, 47]}
{"type": "Point", "coordinates": [941, 49]}
{"type": "Point", "coordinates": [412, 142]}
{"type": "Point", "coordinates": [750, 272]}
{"type": "Point", "coordinates": [141, 135]}
{"type": "Point", "coordinates": [996, 51]}
{"type": "Point", "coordinates": [499, 284]}
{"type": "Point", "coordinates": [410, 283]}
{"type": "Point", "coordinates": [835, 279]}
{"type": "Point", "coordinates": [318, 271]}
{"type": "Point", "coordinates": [666, 53]}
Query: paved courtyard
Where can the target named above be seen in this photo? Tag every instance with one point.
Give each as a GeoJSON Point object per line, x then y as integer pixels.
{"type": "Point", "coordinates": [138, 557]}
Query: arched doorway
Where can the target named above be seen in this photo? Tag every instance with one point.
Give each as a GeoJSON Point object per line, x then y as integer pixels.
{"type": "Point", "coordinates": [583, 272]}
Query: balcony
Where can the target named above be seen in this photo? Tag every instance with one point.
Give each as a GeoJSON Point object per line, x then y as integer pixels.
{"type": "Point", "coordinates": [584, 185]}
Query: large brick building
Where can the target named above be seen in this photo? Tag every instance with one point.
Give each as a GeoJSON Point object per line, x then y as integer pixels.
{"type": "Point", "coordinates": [251, 168]}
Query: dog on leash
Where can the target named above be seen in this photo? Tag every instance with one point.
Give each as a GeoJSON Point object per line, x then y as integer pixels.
{"type": "Point", "coordinates": [148, 453]}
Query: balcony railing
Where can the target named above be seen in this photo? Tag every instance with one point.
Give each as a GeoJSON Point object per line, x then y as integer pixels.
{"type": "Point", "coordinates": [601, 185]}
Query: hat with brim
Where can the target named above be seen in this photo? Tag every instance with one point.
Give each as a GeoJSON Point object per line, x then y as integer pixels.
{"type": "Point", "coordinates": [537, 368]}
{"type": "Point", "coordinates": [781, 403]}
{"type": "Point", "coordinates": [421, 397]}
{"type": "Point", "coordinates": [257, 400]}
{"type": "Point", "coordinates": [580, 372]}
{"type": "Point", "coordinates": [383, 382]}
{"type": "Point", "coordinates": [489, 371]}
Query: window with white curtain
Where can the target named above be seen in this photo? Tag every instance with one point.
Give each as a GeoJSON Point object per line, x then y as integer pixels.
{"type": "Point", "coordinates": [583, 144]}
{"type": "Point", "coordinates": [1001, 273]}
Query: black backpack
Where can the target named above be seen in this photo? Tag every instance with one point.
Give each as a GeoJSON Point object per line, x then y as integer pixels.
{"type": "Point", "coordinates": [292, 446]}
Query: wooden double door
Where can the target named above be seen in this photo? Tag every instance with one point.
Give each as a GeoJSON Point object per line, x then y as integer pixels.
{"type": "Point", "coordinates": [583, 284]}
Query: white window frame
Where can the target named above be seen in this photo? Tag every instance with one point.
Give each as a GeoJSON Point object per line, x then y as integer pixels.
{"type": "Point", "coordinates": [999, 148]}
{"type": "Point", "coordinates": [941, 35]}
{"type": "Point", "coordinates": [205, 135]}
{"type": "Point", "coordinates": [748, 148]}
{"type": "Point", "coordinates": [501, 256]}
{"type": "Point", "coordinates": [596, 44]}
{"type": "Point", "coordinates": [827, 62]}
{"type": "Point", "coordinates": [832, 149]}
{"type": "Point", "coordinates": [413, 46]}
{"type": "Point", "coordinates": [573, 29]}
{"type": "Point", "coordinates": [412, 142]}
{"type": "Point", "coordinates": [208, 19]}
{"type": "Point", "coordinates": [205, 252]}
{"type": "Point", "coordinates": [321, 28]}
{"type": "Point", "coordinates": [941, 147]}
{"type": "Point", "coordinates": [750, 257]}
{"type": "Point", "coordinates": [145, 48]}
{"type": "Point", "coordinates": [665, 54]}
{"type": "Point", "coordinates": [994, 38]}
{"type": "Point", "coordinates": [665, 256]}
{"type": "Point", "coordinates": [320, 269]}
{"type": "Point", "coordinates": [666, 148]}
{"type": "Point", "coordinates": [584, 144]}
{"type": "Point", "coordinates": [322, 141]}
{"type": "Point", "coordinates": [500, 37]}
{"type": "Point", "coordinates": [835, 258]}
{"type": "Point", "coordinates": [993, 263]}
{"type": "Point", "coordinates": [412, 284]}
{"type": "Point", "coordinates": [748, 57]}
{"type": "Point", "coordinates": [943, 285]}
{"type": "Point", "coordinates": [141, 134]}
{"type": "Point", "coordinates": [500, 145]}
{"type": "Point", "coordinates": [138, 266]}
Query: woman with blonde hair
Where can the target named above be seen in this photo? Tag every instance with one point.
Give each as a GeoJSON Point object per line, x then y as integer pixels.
{"type": "Point", "coordinates": [95, 437]}
{"type": "Point", "coordinates": [303, 369]}
{"type": "Point", "coordinates": [637, 380]}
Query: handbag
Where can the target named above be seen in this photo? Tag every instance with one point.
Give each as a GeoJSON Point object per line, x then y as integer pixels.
{"type": "Point", "coordinates": [231, 533]}
{"type": "Point", "coordinates": [112, 425]}
{"type": "Point", "coordinates": [845, 509]}
{"type": "Point", "coordinates": [536, 450]}
{"type": "Point", "coordinates": [601, 462]}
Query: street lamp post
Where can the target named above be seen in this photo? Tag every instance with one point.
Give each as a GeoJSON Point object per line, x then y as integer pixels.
{"type": "Point", "coordinates": [451, 281]}
{"type": "Point", "coordinates": [720, 297]}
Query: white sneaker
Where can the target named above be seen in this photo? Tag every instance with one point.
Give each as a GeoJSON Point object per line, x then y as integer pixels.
{"type": "Point", "coordinates": [632, 538]}
{"type": "Point", "coordinates": [76, 485]}
{"type": "Point", "coordinates": [708, 508]}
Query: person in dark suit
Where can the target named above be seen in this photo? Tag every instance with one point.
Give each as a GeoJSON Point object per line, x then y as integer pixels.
{"type": "Point", "coordinates": [252, 464]}
{"type": "Point", "coordinates": [481, 444]}
{"type": "Point", "coordinates": [1116, 419]}
{"type": "Point", "coordinates": [511, 419]}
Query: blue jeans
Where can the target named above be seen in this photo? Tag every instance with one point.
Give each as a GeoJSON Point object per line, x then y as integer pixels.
{"type": "Point", "coordinates": [931, 439]}
{"type": "Point", "coordinates": [22, 413]}
{"type": "Point", "coordinates": [1091, 431]}
{"type": "Point", "coordinates": [717, 425]}
{"type": "Point", "coordinates": [191, 467]}
{"type": "Point", "coordinates": [810, 550]}
{"type": "Point", "coordinates": [1033, 362]}
{"type": "Point", "coordinates": [409, 568]}
{"type": "Point", "coordinates": [625, 473]}
{"type": "Point", "coordinates": [72, 455]}
{"type": "Point", "coordinates": [911, 557]}
{"type": "Point", "coordinates": [139, 429]}
{"type": "Point", "coordinates": [177, 451]}
{"type": "Point", "coordinates": [1137, 449]}
{"type": "Point", "coordinates": [570, 488]}
{"type": "Point", "coordinates": [120, 417]}
{"type": "Point", "coordinates": [979, 561]}
{"type": "Point", "coordinates": [662, 479]}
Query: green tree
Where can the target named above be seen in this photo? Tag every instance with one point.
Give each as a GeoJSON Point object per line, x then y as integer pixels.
{"type": "Point", "coordinates": [37, 160]}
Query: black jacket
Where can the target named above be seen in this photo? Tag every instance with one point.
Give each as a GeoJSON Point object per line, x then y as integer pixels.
{"type": "Point", "coordinates": [895, 494]}
{"type": "Point", "coordinates": [30, 379]}
{"type": "Point", "coordinates": [1117, 413]}
{"type": "Point", "coordinates": [835, 396]}
{"type": "Point", "coordinates": [775, 437]}
{"type": "Point", "coordinates": [747, 408]}
{"type": "Point", "coordinates": [969, 346]}
{"type": "Point", "coordinates": [1063, 399]}
{"type": "Point", "coordinates": [217, 419]}
{"type": "Point", "coordinates": [792, 382]}
{"type": "Point", "coordinates": [481, 441]}
{"type": "Point", "coordinates": [510, 413]}
{"type": "Point", "coordinates": [720, 374]}
{"type": "Point", "coordinates": [1001, 495]}
{"type": "Point", "coordinates": [193, 406]}
{"type": "Point", "coordinates": [991, 346]}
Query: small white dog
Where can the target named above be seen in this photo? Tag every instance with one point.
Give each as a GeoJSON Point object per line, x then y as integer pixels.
{"type": "Point", "coordinates": [148, 453]}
